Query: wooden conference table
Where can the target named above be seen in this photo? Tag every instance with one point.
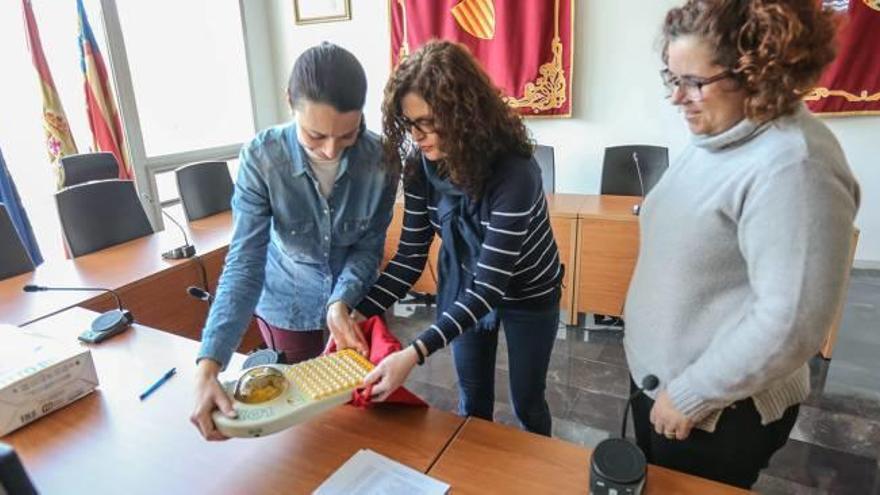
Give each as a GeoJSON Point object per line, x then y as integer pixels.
{"type": "Point", "coordinates": [486, 457]}
{"type": "Point", "coordinates": [117, 267]}
{"type": "Point", "coordinates": [110, 442]}
{"type": "Point", "coordinates": [603, 251]}
{"type": "Point", "coordinates": [152, 288]}
{"type": "Point", "coordinates": [598, 239]}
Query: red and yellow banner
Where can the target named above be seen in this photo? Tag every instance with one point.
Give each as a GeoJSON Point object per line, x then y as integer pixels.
{"type": "Point", "coordinates": [851, 85]}
{"type": "Point", "coordinates": [525, 45]}
{"type": "Point", "coordinates": [100, 103]}
{"type": "Point", "coordinates": [59, 140]}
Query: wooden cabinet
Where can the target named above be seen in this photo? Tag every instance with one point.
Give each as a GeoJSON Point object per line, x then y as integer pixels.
{"type": "Point", "coordinates": [564, 222]}
{"type": "Point", "coordinates": [608, 243]}
{"type": "Point", "coordinates": [564, 210]}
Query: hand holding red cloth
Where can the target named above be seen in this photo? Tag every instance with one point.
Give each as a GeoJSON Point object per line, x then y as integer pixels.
{"type": "Point", "coordinates": [381, 343]}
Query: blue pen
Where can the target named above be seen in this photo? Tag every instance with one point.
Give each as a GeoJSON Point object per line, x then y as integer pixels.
{"type": "Point", "coordinates": [158, 383]}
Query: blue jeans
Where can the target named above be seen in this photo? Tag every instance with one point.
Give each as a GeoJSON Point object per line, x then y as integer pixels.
{"type": "Point", "coordinates": [530, 337]}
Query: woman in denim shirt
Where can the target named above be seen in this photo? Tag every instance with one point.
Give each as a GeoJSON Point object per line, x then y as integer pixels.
{"type": "Point", "coordinates": [311, 206]}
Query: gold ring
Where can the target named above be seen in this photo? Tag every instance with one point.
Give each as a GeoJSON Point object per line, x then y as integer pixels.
{"type": "Point", "coordinates": [669, 434]}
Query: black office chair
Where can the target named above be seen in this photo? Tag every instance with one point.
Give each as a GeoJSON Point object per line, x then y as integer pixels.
{"type": "Point", "coordinates": [621, 166]}
{"type": "Point", "coordinates": [14, 258]}
{"type": "Point", "coordinates": [205, 188]}
{"type": "Point", "coordinates": [99, 214]}
{"type": "Point", "coordinates": [14, 479]}
{"type": "Point", "coordinates": [545, 157]}
{"type": "Point", "coordinates": [86, 167]}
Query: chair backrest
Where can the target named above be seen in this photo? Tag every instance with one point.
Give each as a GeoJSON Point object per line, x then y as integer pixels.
{"type": "Point", "coordinates": [13, 477]}
{"type": "Point", "coordinates": [14, 258]}
{"type": "Point", "coordinates": [545, 157]}
{"type": "Point", "coordinates": [100, 214]}
{"type": "Point", "coordinates": [87, 167]}
{"type": "Point", "coordinates": [619, 174]}
{"type": "Point", "coordinates": [205, 188]}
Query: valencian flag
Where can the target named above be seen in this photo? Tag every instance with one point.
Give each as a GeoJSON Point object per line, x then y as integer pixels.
{"type": "Point", "coordinates": [100, 104]}
{"type": "Point", "coordinates": [10, 199]}
{"type": "Point", "coordinates": [525, 45]}
{"type": "Point", "coordinates": [59, 141]}
{"type": "Point", "coordinates": [851, 85]}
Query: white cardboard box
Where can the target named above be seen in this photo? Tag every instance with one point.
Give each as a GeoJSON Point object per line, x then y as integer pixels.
{"type": "Point", "coordinates": [38, 375]}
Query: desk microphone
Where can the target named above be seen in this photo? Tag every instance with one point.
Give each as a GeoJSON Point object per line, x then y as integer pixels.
{"type": "Point", "coordinates": [106, 325]}
{"type": "Point", "coordinates": [618, 465]}
{"type": "Point", "coordinates": [637, 207]}
{"type": "Point", "coordinates": [182, 252]}
{"type": "Point", "coordinates": [179, 253]}
{"type": "Point", "coordinates": [200, 294]}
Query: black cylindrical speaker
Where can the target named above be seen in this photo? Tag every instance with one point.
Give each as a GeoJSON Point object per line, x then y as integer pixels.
{"type": "Point", "coordinates": [617, 467]}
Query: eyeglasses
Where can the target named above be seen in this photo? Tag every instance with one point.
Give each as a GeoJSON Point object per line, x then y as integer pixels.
{"type": "Point", "coordinates": [423, 125]}
{"type": "Point", "coordinates": [691, 85]}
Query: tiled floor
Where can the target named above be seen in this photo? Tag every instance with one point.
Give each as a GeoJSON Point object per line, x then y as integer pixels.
{"type": "Point", "coordinates": [834, 447]}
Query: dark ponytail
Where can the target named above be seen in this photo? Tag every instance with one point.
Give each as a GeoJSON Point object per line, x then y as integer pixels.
{"type": "Point", "coordinates": [328, 74]}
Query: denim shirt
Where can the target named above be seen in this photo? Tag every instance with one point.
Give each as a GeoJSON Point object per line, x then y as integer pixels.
{"type": "Point", "coordinates": [293, 252]}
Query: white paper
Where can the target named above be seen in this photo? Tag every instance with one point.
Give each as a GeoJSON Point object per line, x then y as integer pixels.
{"type": "Point", "coordinates": [369, 473]}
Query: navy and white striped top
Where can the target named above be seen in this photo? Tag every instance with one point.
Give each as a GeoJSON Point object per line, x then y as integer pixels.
{"type": "Point", "coordinates": [518, 264]}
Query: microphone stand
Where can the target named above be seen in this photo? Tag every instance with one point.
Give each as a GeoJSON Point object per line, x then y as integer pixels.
{"type": "Point", "coordinates": [106, 325]}
{"type": "Point", "coordinates": [637, 208]}
{"type": "Point", "coordinates": [179, 253]}
{"type": "Point", "coordinates": [182, 252]}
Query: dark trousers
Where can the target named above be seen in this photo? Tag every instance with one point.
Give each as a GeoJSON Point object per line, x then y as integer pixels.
{"type": "Point", "coordinates": [734, 454]}
{"type": "Point", "coordinates": [530, 337]}
{"type": "Point", "coordinates": [296, 345]}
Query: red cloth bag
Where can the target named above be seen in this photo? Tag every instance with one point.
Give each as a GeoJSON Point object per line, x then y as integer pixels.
{"type": "Point", "coordinates": [381, 343]}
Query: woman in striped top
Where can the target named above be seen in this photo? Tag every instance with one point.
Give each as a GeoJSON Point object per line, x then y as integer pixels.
{"type": "Point", "coordinates": [473, 181]}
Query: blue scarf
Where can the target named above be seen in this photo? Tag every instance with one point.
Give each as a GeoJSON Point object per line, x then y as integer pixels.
{"type": "Point", "coordinates": [462, 236]}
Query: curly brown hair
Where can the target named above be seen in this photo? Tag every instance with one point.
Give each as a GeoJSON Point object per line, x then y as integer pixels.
{"type": "Point", "coordinates": [474, 123]}
{"type": "Point", "coordinates": [775, 49]}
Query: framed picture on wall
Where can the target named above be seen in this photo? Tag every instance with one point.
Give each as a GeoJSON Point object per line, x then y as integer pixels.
{"type": "Point", "coordinates": [316, 11]}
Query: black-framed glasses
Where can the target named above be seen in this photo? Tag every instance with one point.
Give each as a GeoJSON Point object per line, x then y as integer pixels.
{"type": "Point", "coordinates": [423, 125]}
{"type": "Point", "coordinates": [691, 85]}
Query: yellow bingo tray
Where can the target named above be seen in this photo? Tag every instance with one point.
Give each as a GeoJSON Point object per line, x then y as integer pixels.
{"type": "Point", "coordinates": [274, 397]}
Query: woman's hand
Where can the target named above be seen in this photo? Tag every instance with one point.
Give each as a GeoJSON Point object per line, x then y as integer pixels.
{"type": "Point", "coordinates": [344, 330]}
{"type": "Point", "coordinates": [669, 421]}
{"type": "Point", "coordinates": [209, 396]}
{"type": "Point", "coordinates": [390, 374]}
{"type": "Point", "coordinates": [358, 317]}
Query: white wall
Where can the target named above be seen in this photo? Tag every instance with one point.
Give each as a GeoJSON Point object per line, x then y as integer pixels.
{"type": "Point", "coordinates": [261, 51]}
{"type": "Point", "coordinates": [860, 138]}
{"type": "Point", "coordinates": [366, 35]}
{"type": "Point", "coordinates": [618, 97]}
{"type": "Point", "coordinates": [617, 93]}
